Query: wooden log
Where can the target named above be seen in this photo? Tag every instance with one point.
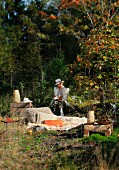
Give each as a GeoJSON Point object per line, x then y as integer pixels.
{"type": "Point", "coordinates": [21, 105]}
{"type": "Point", "coordinates": [108, 132]}
{"type": "Point", "coordinates": [90, 116]}
{"type": "Point", "coordinates": [16, 96]}
{"type": "Point", "coordinates": [86, 133]}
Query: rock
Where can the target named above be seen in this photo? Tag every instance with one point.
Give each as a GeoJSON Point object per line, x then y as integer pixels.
{"type": "Point", "coordinates": [36, 115]}
{"type": "Point", "coordinates": [67, 122]}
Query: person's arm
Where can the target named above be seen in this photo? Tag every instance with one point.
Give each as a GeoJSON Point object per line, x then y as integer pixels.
{"type": "Point", "coordinates": [55, 96]}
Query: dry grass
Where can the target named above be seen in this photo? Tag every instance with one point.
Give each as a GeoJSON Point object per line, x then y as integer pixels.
{"type": "Point", "coordinates": [21, 150]}
{"type": "Point", "coordinates": [51, 150]}
{"type": "Point", "coordinates": [9, 146]}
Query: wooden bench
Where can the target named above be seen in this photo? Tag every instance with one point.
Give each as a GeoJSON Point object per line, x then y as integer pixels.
{"type": "Point", "coordinates": [107, 129]}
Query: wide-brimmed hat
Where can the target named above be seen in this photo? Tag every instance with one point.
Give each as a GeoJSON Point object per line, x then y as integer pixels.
{"type": "Point", "coordinates": [57, 81]}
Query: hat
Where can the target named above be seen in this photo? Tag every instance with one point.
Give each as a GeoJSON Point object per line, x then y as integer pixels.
{"type": "Point", "coordinates": [57, 81]}
{"type": "Point", "coordinates": [26, 100]}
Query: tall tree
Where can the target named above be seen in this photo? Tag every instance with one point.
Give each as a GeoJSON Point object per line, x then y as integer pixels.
{"type": "Point", "coordinates": [98, 62]}
{"type": "Point", "coordinates": [6, 60]}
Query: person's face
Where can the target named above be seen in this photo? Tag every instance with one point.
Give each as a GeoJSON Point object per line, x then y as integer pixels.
{"type": "Point", "coordinates": [59, 85]}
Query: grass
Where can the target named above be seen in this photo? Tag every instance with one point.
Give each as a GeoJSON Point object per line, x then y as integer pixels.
{"type": "Point", "coordinates": [56, 150]}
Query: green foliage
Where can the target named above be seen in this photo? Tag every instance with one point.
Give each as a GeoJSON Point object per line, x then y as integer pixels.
{"type": "Point", "coordinates": [63, 162]}
{"type": "Point", "coordinates": [5, 105]}
{"type": "Point", "coordinates": [41, 137]}
{"type": "Point", "coordinates": [57, 68]}
{"type": "Point", "coordinates": [103, 139]}
{"type": "Point", "coordinates": [96, 64]}
{"type": "Point", "coordinates": [95, 138]}
{"type": "Point", "coordinates": [39, 43]}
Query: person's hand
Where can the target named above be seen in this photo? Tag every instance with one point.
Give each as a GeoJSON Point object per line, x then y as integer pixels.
{"type": "Point", "coordinates": [55, 98]}
{"type": "Point", "coordinates": [60, 98]}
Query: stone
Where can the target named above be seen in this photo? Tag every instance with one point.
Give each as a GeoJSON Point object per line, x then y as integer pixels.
{"type": "Point", "coordinates": [36, 115]}
{"type": "Point", "coordinates": [68, 123]}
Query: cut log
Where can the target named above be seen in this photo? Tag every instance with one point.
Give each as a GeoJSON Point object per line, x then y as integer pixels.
{"type": "Point", "coordinates": [21, 105]}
